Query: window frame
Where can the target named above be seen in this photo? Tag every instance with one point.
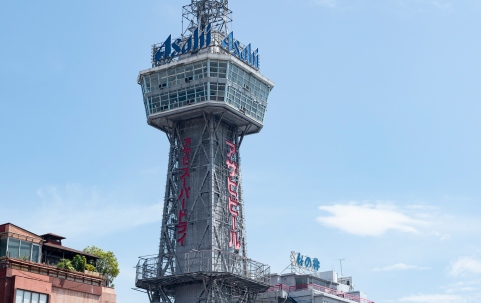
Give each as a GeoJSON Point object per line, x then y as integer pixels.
{"type": "Point", "coordinates": [30, 295]}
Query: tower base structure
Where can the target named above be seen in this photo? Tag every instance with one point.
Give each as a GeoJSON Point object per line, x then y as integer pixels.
{"type": "Point", "coordinates": [204, 276]}
{"type": "Point", "coordinates": [202, 254]}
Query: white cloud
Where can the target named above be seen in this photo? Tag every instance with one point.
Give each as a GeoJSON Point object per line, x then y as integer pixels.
{"type": "Point", "coordinates": [369, 219]}
{"type": "Point", "coordinates": [459, 292]}
{"type": "Point", "coordinates": [464, 287]}
{"type": "Point", "coordinates": [465, 265]}
{"type": "Point", "coordinates": [73, 210]}
{"type": "Point", "coordinates": [434, 298]}
{"type": "Point", "coordinates": [399, 266]}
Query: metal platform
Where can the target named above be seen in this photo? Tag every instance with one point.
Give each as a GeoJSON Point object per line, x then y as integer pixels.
{"type": "Point", "coordinates": [209, 267]}
{"type": "Point", "coordinates": [164, 121]}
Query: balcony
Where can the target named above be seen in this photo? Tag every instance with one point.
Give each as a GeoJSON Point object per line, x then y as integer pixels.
{"type": "Point", "coordinates": [51, 271]}
{"type": "Point", "coordinates": [193, 265]}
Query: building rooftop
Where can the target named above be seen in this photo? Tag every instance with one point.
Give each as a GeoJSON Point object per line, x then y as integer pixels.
{"type": "Point", "coordinates": [52, 236]}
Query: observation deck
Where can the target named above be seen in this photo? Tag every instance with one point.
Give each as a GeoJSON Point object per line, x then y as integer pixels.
{"type": "Point", "coordinates": [214, 82]}
{"type": "Point", "coordinates": [196, 266]}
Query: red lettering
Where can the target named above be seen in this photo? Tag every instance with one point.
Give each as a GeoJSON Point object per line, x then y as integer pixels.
{"type": "Point", "coordinates": [232, 186]}
{"type": "Point", "coordinates": [234, 240]}
{"type": "Point", "coordinates": [232, 167]}
{"type": "Point", "coordinates": [187, 141]}
{"type": "Point", "coordinates": [186, 173]}
{"type": "Point", "coordinates": [186, 191]}
{"type": "Point", "coordinates": [233, 202]}
{"type": "Point", "coordinates": [232, 149]}
{"type": "Point", "coordinates": [182, 227]}
{"type": "Point", "coordinates": [182, 240]}
{"type": "Point", "coordinates": [182, 214]}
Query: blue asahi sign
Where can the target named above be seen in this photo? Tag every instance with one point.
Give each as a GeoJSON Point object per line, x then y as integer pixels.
{"type": "Point", "coordinates": [202, 39]}
{"type": "Point", "coordinates": [244, 53]}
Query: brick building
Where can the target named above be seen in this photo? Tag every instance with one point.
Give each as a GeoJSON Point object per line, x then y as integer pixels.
{"type": "Point", "coordinates": [28, 272]}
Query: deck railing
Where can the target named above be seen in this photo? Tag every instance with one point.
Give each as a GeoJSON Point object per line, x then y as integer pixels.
{"type": "Point", "coordinates": [51, 271]}
{"type": "Point", "coordinates": [277, 287]}
{"type": "Point", "coordinates": [330, 291]}
{"type": "Point", "coordinates": [206, 261]}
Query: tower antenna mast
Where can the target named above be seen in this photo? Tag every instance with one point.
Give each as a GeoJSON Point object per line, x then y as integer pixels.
{"type": "Point", "coordinates": [200, 13]}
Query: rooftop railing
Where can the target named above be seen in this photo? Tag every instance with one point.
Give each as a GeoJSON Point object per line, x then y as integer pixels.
{"type": "Point", "coordinates": [330, 291]}
{"type": "Point", "coordinates": [206, 261]}
{"type": "Point", "coordinates": [50, 271]}
{"type": "Point", "coordinates": [277, 287]}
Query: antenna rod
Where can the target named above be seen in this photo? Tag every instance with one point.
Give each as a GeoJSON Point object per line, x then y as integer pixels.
{"type": "Point", "coordinates": [340, 262]}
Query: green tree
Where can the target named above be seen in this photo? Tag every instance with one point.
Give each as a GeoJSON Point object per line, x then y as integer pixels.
{"type": "Point", "coordinates": [65, 264]}
{"type": "Point", "coordinates": [107, 265]}
{"type": "Point", "coordinates": [79, 262]}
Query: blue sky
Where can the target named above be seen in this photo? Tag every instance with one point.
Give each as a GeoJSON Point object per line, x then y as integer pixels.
{"type": "Point", "coordinates": [370, 150]}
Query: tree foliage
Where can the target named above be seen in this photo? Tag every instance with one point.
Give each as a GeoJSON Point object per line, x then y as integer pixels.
{"type": "Point", "coordinates": [65, 264]}
{"type": "Point", "coordinates": [79, 262]}
{"type": "Point", "coordinates": [107, 265]}
{"type": "Point", "coordinates": [90, 267]}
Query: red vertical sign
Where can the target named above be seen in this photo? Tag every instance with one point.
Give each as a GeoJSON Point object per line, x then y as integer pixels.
{"type": "Point", "coordinates": [232, 192]}
{"type": "Point", "coordinates": [184, 192]}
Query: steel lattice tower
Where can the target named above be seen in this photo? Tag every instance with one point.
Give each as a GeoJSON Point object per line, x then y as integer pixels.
{"type": "Point", "coordinates": [206, 93]}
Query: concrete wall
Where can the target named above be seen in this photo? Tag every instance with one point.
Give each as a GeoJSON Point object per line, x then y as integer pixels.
{"type": "Point", "coordinates": [14, 229]}
{"type": "Point", "coordinates": [358, 294]}
{"type": "Point", "coordinates": [31, 282]}
{"type": "Point", "coordinates": [288, 280]}
{"type": "Point", "coordinates": [60, 295]}
{"type": "Point", "coordinates": [328, 275]}
{"type": "Point", "coordinates": [5, 286]}
{"type": "Point", "coordinates": [58, 290]}
{"type": "Point", "coordinates": [108, 295]}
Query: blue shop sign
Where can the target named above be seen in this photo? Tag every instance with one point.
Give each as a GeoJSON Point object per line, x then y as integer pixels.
{"type": "Point", "coordinates": [302, 261]}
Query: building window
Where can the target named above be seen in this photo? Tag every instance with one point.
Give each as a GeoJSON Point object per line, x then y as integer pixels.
{"type": "Point", "coordinates": [19, 249]}
{"type": "Point", "coordinates": [24, 296]}
{"type": "Point", "coordinates": [25, 250]}
{"type": "Point", "coordinates": [13, 247]}
{"type": "Point", "coordinates": [3, 247]}
{"type": "Point", "coordinates": [35, 253]}
{"type": "Point", "coordinates": [301, 283]}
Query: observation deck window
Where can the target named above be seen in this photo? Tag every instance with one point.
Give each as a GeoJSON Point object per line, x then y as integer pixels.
{"type": "Point", "coordinates": [227, 82]}
{"type": "Point", "coordinates": [217, 91]}
{"type": "Point", "coordinates": [175, 76]}
{"type": "Point", "coordinates": [218, 69]}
